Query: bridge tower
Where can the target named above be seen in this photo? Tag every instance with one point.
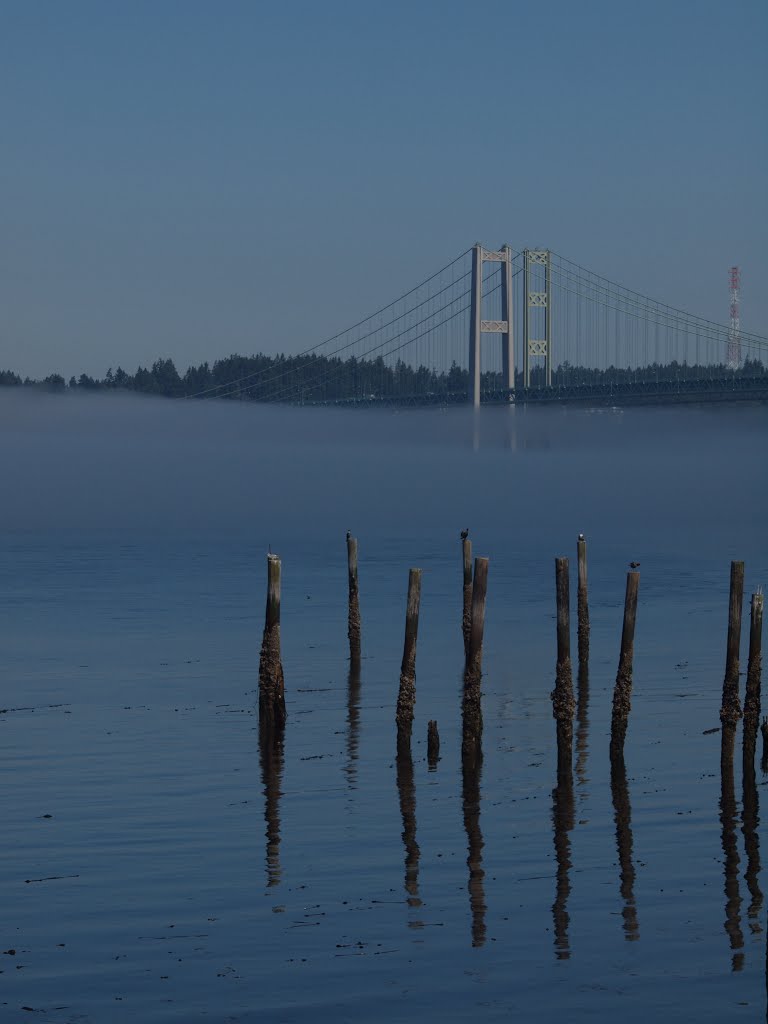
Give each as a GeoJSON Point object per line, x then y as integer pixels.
{"type": "Point", "coordinates": [536, 347]}
{"type": "Point", "coordinates": [734, 335]}
{"type": "Point", "coordinates": [478, 326]}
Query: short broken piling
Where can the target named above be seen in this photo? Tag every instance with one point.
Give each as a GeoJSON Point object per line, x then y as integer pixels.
{"type": "Point", "coordinates": [563, 700]}
{"type": "Point", "coordinates": [622, 693]}
{"type": "Point", "coordinates": [466, 616]}
{"type": "Point", "coordinates": [582, 600]}
{"type": "Point", "coordinates": [271, 681]}
{"type": "Point", "coordinates": [406, 697]}
{"type": "Point", "coordinates": [353, 626]}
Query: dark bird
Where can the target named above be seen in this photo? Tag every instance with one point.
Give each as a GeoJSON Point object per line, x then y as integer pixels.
{"type": "Point", "coordinates": [349, 534]}
{"type": "Point", "coordinates": [634, 565]}
{"type": "Point", "coordinates": [464, 534]}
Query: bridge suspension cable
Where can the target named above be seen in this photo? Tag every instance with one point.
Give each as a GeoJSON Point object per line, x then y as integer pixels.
{"type": "Point", "coordinates": [693, 326]}
{"type": "Point", "coordinates": [330, 375]}
{"type": "Point", "coordinates": [588, 275]}
{"type": "Point", "coordinates": [348, 330]}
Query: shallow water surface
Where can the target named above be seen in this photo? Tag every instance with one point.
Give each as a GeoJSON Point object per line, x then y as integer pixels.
{"type": "Point", "coordinates": [159, 866]}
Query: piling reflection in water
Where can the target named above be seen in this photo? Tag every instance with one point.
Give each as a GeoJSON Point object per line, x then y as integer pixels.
{"type": "Point", "coordinates": [562, 821]}
{"type": "Point", "coordinates": [730, 848]}
{"type": "Point", "coordinates": [353, 723]}
{"type": "Point", "coordinates": [750, 818]}
{"type": "Point", "coordinates": [406, 789]}
{"type": "Point", "coordinates": [750, 812]}
{"type": "Point", "coordinates": [582, 725]}
{"type": "Point", "coordinates": [471, 771]}
{"type": "Point", "coordinates": [271, 753]}
{"type": "Point", "coordinates": [622, 811]}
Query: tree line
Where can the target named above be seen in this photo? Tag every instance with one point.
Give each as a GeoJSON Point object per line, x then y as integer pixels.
{"type": "Point", "coordinates": [318, 378]}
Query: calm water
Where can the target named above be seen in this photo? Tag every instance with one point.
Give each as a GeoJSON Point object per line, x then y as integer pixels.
{"type": "Point", "coordinates": [155, 869]}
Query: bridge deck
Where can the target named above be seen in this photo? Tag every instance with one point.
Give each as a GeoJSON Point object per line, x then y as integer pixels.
{"type": "Point", "coordinates": [728, 389]}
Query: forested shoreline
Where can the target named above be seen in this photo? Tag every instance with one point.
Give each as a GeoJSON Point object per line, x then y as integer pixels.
{"type": "Point", "coordinates": [317, 378]}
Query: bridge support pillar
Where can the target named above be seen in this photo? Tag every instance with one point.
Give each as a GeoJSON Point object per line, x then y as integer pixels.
{"type": "Point", "coordinates": [536, 347]}
{"type": "Point", "coordinates": [475, 313]}
{"type": "Point", "coordinates": [478, 326]}
{"type": "Point", "coordinates": [507, 337]}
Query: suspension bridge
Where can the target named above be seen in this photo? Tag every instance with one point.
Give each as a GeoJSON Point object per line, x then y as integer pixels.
{"type": "Point", "coordinates": [499, 325]}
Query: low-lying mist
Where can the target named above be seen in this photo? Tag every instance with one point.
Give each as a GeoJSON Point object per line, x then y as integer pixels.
{"type": "Point", "coordinates": [670, 475]}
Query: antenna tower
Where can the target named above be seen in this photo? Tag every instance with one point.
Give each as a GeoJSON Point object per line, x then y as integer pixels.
{"type": "Point", "coordinates": [734, 335]}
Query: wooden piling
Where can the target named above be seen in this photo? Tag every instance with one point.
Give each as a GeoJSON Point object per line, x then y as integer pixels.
{"type": "Point", "coordinates": [433, 745]}
{"type": "Point", "coordinates": [471, 705]}
{"type": "Point", "coordinates": [563, 700]}
{"type": "Point", "coordinates": [473, 667]}
{"type": "Point", "coordinates": [754, 671]}
{"type": "Point", "coordinates": [563, 612]}
{"type": "Point", "coordinates": [406, 698]}
{"type": "Point", "coordinates": [730, 711]}
{"type": "Point", "coordinates": [353, 626]}
{"type": "Point", "coordinates": [466, 617]}
{"type": "Point", "coordinates": [271, 681]}
{"type": "Point", "coordinates": [622, 693]}
{"type": "Point", "coordinates": [582, 600]}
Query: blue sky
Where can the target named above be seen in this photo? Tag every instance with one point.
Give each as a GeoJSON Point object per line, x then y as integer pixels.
{"type": "Point", "coordinates": [192, 179]}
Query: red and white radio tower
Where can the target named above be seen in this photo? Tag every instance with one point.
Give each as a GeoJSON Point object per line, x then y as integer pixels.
{"type": "Point", "coordinates": [734, 335]}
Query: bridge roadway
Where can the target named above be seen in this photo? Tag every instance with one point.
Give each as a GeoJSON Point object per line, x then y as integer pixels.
{"type": "Point", "coordinates": [649, 392]}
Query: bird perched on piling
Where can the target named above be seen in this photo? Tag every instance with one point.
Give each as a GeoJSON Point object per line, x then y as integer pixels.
{"type": "Point", "coordinates": [581, 536]}
{"type": "Point", "coordinates": [464, 534]}
{"type": "Point", "coordinates": [634, 565]}
{"type": "Point", "coordinates": [349, 534]}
